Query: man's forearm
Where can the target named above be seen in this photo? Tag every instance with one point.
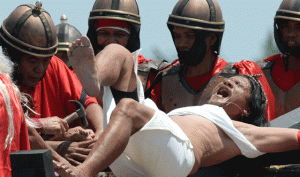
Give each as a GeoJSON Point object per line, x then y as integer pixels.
{"type": "Point", "coordinates": [94, 114]}
{"type": "Point", "coordinates": [37, 142]}
{"type": "Point", "coordinates": [270, 139]}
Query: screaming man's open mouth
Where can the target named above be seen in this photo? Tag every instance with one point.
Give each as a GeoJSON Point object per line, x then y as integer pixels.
{"type": "Point", "coordinates": [223, 91]}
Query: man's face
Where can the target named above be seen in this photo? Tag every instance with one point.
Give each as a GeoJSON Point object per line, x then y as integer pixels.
{"type": "Point", "coordinates": [107, 36]}
{"type": "Point", "coordinates": [233, 95]}
{"type": "Point", "coordinates": [184, 38]}
{"type": "Point", "coordinates": [33, 69]}
{"type": "Point", "coordinates": [290, 33]}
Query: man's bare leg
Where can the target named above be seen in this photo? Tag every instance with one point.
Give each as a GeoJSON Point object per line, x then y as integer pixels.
{"type": "Point", "coordinates": [127, 118]}
{"type": "Point", "coordinates": [113, 66]}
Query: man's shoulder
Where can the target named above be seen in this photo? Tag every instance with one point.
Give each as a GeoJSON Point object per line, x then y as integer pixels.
{"type": "Point", "coordinates": [57, 66]}
{"type": "Point", "coordinates": [268, 62]}
{"type": "Point", "coordinates": [171, 69]}
{"type": "Point", "coordinates": [147, 65]}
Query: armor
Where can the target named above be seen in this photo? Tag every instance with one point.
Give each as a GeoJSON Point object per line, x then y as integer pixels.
{"type": "Point", "coordinates": [153, 67]}
{"type": "Point", "coordinates": [176, 92]}
{"type": "Point", "coordinates": [204, 17]}
{"type": "Point", "coordinates": [288, 10]}
{"type": "Point", "coordinates": [17, 31]}
{"type": "Point", "coordinates": [286, 101]}
{"type": "Point", "coordinates": [123, 10]}
{"type": "Point", "coordinates": [66, 34]}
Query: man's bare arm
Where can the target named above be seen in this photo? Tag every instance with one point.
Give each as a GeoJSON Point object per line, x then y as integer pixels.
{"type": "Point", "coordinates": [269, 139]}
{"type": "Point", "coordinates": [94, 115]}
{"type": "Point", "coordinates": [36, 142]}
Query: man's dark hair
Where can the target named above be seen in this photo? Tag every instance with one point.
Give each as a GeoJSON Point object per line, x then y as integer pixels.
{"type": "Point", "coordinates": [257, 104]}
{"type": "Point", "coordinates": [15, 56]}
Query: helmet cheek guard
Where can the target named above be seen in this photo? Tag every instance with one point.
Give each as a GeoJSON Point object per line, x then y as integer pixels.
{"type": "Point", "coordinates": [204, 17]}
{"type": "Point", "coordinates": [30, 29]}
{"type": "Point", "coordinates": [123, 10]}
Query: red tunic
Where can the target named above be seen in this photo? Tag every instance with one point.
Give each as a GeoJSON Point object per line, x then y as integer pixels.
{"type": "Point", "coordinates": [142, 59]}
{"type": "Point", "coordinates": [285, 80]}
{"type": "Point", "coordinates": [52, 94]}
{"type": "Point", "coordinates": [21, 139]}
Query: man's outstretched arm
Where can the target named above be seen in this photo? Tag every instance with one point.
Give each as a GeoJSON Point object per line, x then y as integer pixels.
{"type": "Point", "coordinates": [270, 139]}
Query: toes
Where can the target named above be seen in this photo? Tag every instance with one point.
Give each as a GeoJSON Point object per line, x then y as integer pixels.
{"type": "Point", "coordinates": [71, 48]}
{"type": "Point", "coordinates": [78, 42]}
{"type": "Point", "coordinates": [85, 41]}
{"type": "Point", "coordinates": [74, 45]}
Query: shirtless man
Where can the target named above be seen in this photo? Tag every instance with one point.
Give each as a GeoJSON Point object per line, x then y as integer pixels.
{"type": "Point", "coordinates": [141, 140]}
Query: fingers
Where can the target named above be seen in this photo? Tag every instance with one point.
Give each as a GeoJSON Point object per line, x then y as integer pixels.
{"type": "Point", "coordinates": [91, 134]}
{"type": "Point", "coordinates": [81, 131]}
{"type": "Point", "coordinates": [83, 151]}
{"type": "Point", "coordinates": [65, 125]}
{"type": "Point", "coordinates": [87, 144]}
{"type": "Point", "coordinates": [73, 162]}
{"type": "Point", "coordinates": [79, 157]}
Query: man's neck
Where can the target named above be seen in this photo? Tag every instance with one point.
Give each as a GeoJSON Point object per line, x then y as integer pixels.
{"type": "Point", "coordinates": [294, 63]}
{"type": "Point", "coordinates": [205, 66]}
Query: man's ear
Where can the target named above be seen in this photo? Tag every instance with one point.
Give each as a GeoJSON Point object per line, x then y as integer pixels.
{"type": "Point", "coordinates": [246, 113]}
{"type": "Point", "coordinates": [212, 39]}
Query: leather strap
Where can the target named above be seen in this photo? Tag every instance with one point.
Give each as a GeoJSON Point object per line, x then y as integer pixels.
{"type": "Point", "coordinates": [181, 7]}
{"type": "Point", "coordinates": [115, 4]}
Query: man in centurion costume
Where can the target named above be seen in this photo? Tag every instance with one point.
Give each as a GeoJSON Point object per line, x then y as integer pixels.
{"type": "Point", "coordinates": [197, 28]}
{"type": "Point", "coordinates": [66, 34]}
{"type": "Point", "coordinates": [28, 38]}
{"type": "Point", "coordinates": [141, 140]}
{"type": "Point", "coordinates": [14, 132]}
{"type": "Point", "coordinates": [13, 129]}
{"type": "Point", "coordinates": [283, 70]}
{"type": "Point", "coordinates": [118, 21]}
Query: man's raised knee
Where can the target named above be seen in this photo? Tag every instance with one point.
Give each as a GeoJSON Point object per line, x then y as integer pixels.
{"type": "Point", "coordinates": [127, 106]}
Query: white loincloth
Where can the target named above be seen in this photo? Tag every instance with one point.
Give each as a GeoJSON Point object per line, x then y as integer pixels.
{"type": "Point", "coordinates": [159, 149]}
{"type": "Point", "coordinates": [218, 116]}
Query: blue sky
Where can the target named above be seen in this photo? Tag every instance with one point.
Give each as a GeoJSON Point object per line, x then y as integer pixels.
{"type": "Point", "coordinates": [247, 24]}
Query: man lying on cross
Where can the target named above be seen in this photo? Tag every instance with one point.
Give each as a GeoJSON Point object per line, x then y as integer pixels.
{"type": "Point", "coordinates": [141, 140]}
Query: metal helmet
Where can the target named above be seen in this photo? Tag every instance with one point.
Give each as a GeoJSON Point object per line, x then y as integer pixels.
{"type": "Point", "coordinates": [204, 17]}
{"type": "Point", "coordinates": [30, 29]}
{"type": "Point", "coordinates": [123, 10]}
{"type": "Point", "coordinates": [288, 10]}
{"type": "Point", "coordinates": [66, 34]}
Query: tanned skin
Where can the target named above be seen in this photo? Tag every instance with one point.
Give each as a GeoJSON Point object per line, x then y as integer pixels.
{"type": "Point", "coordinates": [129, 116]}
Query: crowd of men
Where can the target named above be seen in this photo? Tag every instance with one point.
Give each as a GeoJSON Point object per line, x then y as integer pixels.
{"type": "Point", "coordinates": [146, 117]}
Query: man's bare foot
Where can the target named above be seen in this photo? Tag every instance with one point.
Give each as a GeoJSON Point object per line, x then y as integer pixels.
{"type": "Point", "coordinates": [64, 170]}
{"type": "Point", "coordinates": [82, 59]}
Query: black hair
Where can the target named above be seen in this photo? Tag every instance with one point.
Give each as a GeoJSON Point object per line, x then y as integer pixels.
{"type": "Point", "coordinates": [15, 56]}
{"type": "Point", "coordinates": [257, 104]}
